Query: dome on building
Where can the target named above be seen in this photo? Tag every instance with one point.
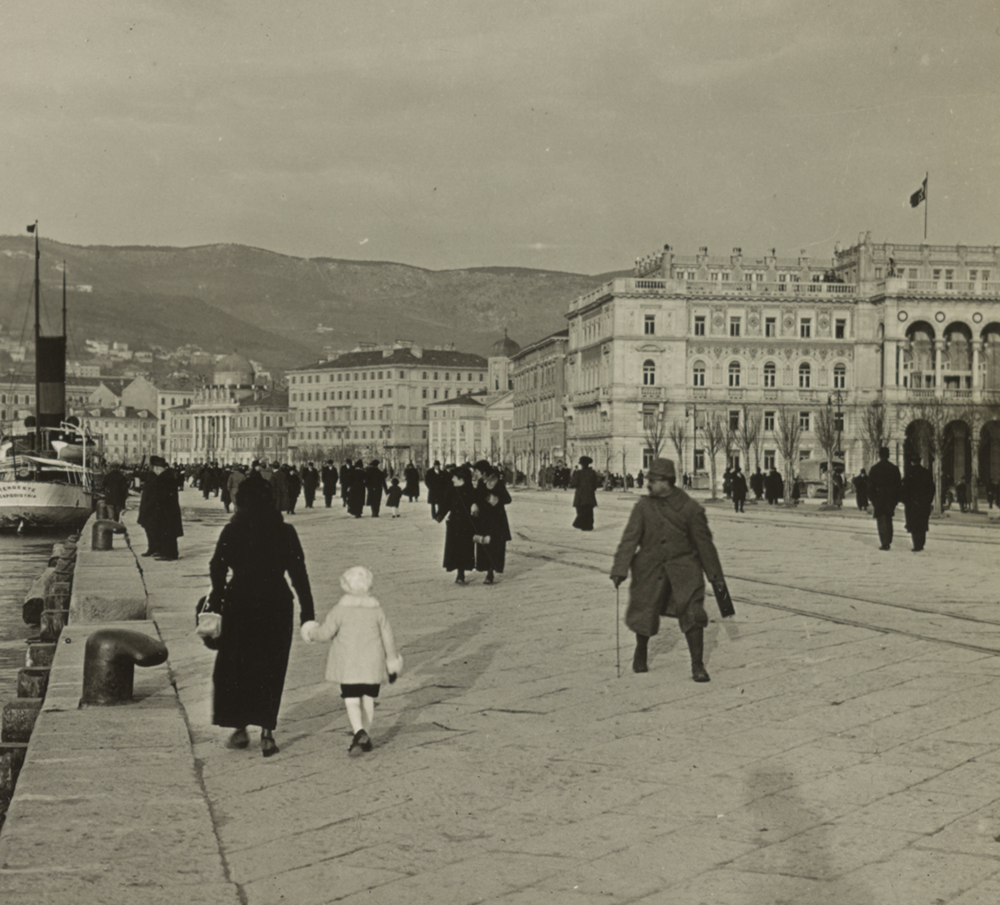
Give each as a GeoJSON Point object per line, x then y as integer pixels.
{"type": "Point", "coordinates": [233, 371]}
{"type": "Point", "coordinates": [504, 348]}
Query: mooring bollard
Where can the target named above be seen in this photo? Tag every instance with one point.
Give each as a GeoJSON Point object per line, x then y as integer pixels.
{"type": "Point", "coordinates": [109, 662]}
{"type": "Point", "coordinates": [102, 533]}
{"type": "Point", "coordinates": [32, 681]}
{"type": "Point", "coordinates": [18, 719]}
{"type": "Point", "coordinates": [39, 653]}
{"type": "Point", "coordinates": [52, 623]}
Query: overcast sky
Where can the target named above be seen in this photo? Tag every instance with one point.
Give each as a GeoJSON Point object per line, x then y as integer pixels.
{"type": "Point", "coordinates": [560, 134]}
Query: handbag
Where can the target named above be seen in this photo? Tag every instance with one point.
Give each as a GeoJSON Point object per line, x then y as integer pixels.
{"type": "Point", "coordinates": [208, 621]}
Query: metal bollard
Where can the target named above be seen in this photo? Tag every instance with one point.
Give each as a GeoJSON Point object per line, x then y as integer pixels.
{"type": "Point", "coordinates": [109, 662]}
{"type": "Point", "coordinates": [18, 719]}
{"type": "Point", "coordinates": [102, 533]}
{"type": "Point", "coordinates": [32, 681]}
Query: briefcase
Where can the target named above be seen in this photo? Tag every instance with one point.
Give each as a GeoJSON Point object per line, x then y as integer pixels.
{"type": "Point", "coordinates": [723, 598]}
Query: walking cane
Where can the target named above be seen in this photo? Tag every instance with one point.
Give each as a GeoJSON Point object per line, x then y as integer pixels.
{"type": "Point", "coordinates": [618, 643]}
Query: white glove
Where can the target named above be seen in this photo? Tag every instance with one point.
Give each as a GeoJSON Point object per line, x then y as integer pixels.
{"type": "Point", "coordinates": [307, 630]}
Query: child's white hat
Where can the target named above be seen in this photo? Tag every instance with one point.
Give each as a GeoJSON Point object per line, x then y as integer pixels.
{"type": "Point", "coordinates": [357, 580]}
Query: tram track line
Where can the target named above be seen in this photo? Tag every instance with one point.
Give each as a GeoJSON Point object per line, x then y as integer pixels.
{"type": "Point", "coordinates": [826, 617]}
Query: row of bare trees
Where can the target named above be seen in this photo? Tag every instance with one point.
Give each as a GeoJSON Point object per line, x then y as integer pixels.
{"type": "Point", "coordinates": [719, 436]}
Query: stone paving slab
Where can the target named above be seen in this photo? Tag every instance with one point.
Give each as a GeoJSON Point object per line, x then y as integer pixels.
{"type": "Point", "coordinates": [836, 757]}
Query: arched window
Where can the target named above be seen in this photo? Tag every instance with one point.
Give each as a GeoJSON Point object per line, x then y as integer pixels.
{"type": "Point", "coordinates": [805, 377]}
{"type": "Point", "coordinates": [648, 373]}
{"type": "Point", "coordinates": [699, 373]}
{"type": "Point", "coordinates": [840, 377]}
{"type": "Point", "coordinates": [734, 373]}
{"type": "Point", "coordinates": [770, 375]}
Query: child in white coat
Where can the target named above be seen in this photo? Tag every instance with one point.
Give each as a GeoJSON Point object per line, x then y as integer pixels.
{"type": "Point", "coordinates": [363, 653]}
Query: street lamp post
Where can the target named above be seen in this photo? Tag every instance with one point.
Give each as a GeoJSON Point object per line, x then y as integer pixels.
{"type": "Point", "coordinates": [837, 426]}
{"type": "Point", "coordinates": [693, 411]}
{"type": "Point", "coordinates": [534, 461]}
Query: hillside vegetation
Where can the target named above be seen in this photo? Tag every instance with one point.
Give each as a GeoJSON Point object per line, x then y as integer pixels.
{"type": "Point", "coordinates": [268, 306]}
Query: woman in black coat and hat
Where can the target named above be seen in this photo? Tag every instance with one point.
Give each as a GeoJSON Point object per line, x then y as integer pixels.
{"type": "Point", "coordinates": [258, 548]}
{"type": "Point", "coordinates": [356, 489]}
{"type": "Point", "coordinates": [491, 498]}
{"type": "Point", "coordinates": [585, 482]}
{"type": "Point", "coordinates": [458, 503]}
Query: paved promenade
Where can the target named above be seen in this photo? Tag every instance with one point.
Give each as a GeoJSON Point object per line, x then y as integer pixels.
{"type": "Point", "coordinates": [846, 751]}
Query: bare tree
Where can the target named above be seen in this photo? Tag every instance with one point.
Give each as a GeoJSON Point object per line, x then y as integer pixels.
{"type": "Point", "coordinates": [678, 434]}
{"type": "Point", "coordinates": [748, 436]}
{"type": "Point", "coordinates": [933, 415]}
{"type": "Point", "coordinates": [788, 435]}
{"type": "Point", "coordinates": [730, 441]}
{"type": "Point", "coordinates": [876, 430]}
{"type": "Point", "coordinates": [655, 431]}
{"type": "Point", "coordinates": [826, 435]}
{"type": "Point", "coordinates": [715, 431]}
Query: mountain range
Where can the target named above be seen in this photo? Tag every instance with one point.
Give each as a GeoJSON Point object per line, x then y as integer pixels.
{"type": "Point", "coordinates": [277, 309]}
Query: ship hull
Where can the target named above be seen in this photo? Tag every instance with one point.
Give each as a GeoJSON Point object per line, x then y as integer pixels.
{"type": "Point", "coordinates": [43, 505]}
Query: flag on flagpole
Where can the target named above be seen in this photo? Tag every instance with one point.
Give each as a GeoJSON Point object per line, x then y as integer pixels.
{"type": "Point", "coordinates": [31, 227]}
{"type": "Point", "coordinates": [919, 195]}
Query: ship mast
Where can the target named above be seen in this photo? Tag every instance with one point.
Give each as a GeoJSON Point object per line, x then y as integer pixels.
{"type": "Point", "coordinates": [33, 228]}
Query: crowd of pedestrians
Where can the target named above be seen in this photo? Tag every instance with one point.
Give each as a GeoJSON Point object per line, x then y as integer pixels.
{"type": "Point", "coordinates": [666, 548]}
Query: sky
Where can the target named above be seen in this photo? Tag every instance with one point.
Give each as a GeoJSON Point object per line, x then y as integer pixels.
{"type": "Point", "coordinates": [570, 135]}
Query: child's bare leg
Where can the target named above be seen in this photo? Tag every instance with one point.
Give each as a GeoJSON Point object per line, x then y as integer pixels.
{"type": "Point", "coordinates": [368, 712]}
{"type": "Point", "coordinates": [354, 713]}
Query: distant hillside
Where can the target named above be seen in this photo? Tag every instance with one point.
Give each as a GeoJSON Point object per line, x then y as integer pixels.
{"type": "Point", "coordinates": [268, 305]}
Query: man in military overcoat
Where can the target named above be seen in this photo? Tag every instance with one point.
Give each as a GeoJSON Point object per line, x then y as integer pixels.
{"type": "Point", "coordinates": [667, 545]}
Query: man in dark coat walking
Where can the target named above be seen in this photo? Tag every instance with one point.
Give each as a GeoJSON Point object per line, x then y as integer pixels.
{"type": "Point", "coordinates": [757, 483]}
{"type": "Point", "coordinates": [437, 487]}
{"type": "Point", "coordinates": [861, 490]}
{"type": "Point", "coordinates": [310, 481]}
{"type": "Point", "coordinates": [115, 488]}
{"type": "Point", "coordinates": [918, 498]}
{"type": "Point", "coordinates": [328, 475]}
{"type": "Point", "coordinates": [376, 483]}
{"type": "Point", "coordinates": [885, 487]}
{"type": "Point", "coordinates": [345, 480]}
{"type": "Point", "coordinates": [739, 485]}
{"type": "Point", "coordinates": [411, 477]}
{"type": "Point", "coordinates": [160, 511]}
{"type": "Point", "coordinates": [774, 487]}
{"type": "Point", "coordinates": [667, 545]}
{"type": "Point", "coordinates": [585, 482]}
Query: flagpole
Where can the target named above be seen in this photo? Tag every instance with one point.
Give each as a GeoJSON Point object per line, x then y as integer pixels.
{"type": "Point", "coordinates": [927, 179]}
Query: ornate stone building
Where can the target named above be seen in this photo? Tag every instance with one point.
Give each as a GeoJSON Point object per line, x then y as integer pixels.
{"type": "Point", "coordinates": [538, 372]}
{"type": "Point", "coordinates": [233, 420]}
{"type": "Point", "coordinates": [373, 402]}
{"type": "Point", "coordinates": [696, 340]}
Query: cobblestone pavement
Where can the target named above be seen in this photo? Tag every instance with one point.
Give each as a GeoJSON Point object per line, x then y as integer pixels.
{"type": "Point", "coordinates": [846, 751]}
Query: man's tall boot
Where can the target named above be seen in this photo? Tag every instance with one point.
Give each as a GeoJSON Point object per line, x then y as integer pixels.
{"type": "Point", "coordinates": [696, 644]}
{"type": "Point", "coordinates": [639, 658]}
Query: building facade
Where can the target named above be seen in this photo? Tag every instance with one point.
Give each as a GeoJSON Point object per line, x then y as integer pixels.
{"type": "Point", "coordinates": [234, 420]}
{"type": "Point", "coordinates": [539, 426]}
{"type": "Point", "coordinates": [126, 435]}
{"type": "Point", "coordinates": [160, 395]}
{"type": "Point", "coordinates": [717, 359]}
{"type": "Point", "coordinates": [458, 430]}
{"type": "Point", "coordinates": [374, 402]}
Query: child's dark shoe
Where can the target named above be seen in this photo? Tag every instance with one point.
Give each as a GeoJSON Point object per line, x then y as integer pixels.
{"type": "Point", "coordinates": [360, 743]}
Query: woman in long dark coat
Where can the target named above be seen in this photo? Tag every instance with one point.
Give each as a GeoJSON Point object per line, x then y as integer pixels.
{"type": "Point", "coordinates": [492, 500]}
{"type": "Point", "coordinates": [412, 476]}
{"type": "Point", "coordinates": [458, 503]}
{"type": "Point", "coordinates": [585, 483]}
{"type": "Point", "coordinates": [356, 489]}
{"type": "Point", "coordinates": [257, 613]}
